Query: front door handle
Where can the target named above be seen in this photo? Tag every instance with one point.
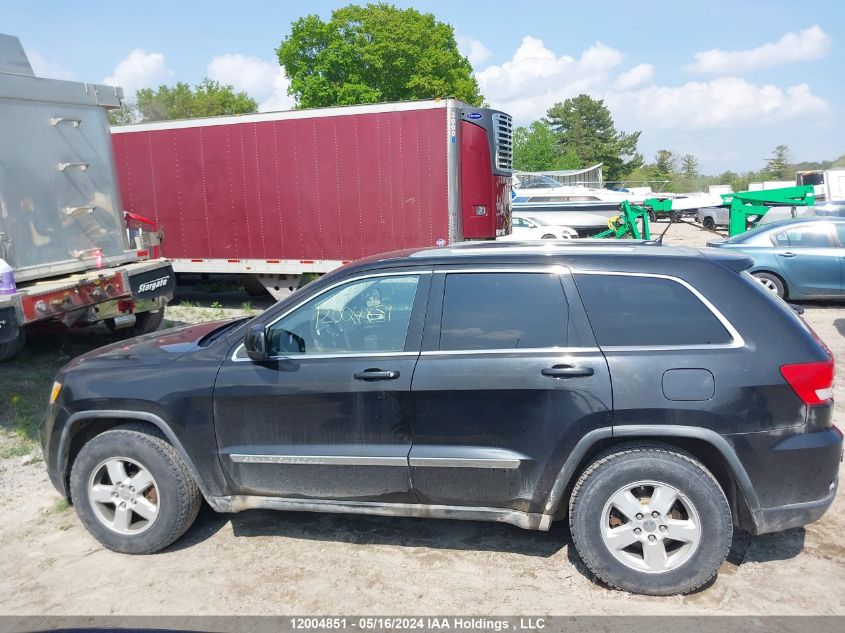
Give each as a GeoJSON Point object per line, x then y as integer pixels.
{"type": "Point", "coordinates": [376, 374]}
{"type": "Point", "coordinates": [566, 371]}
{"type": "Point", "coordinates": [787, 254]}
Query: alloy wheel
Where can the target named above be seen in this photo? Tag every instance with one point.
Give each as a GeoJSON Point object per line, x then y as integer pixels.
{"type": "Point", "coordinates": [124, 495]}
{"type": "Point", "coordinates": [650, 526]}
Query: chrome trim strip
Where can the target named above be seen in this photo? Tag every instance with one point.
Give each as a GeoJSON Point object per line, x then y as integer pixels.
{"type": "Point", "coordinates": [514, 350]}
{"type": "Point", "coordinates": [525, 520]}
{"type": "Point", "coordinates": [554, 269]}
{"type": "Point", "coordinates": [235, 358]}
{"type": "Point", "coordinates": [737, 340]}
{"type": "Point", "coordinates": [464, 462]}
{"type": "Point", "coordinates": [320, 460]}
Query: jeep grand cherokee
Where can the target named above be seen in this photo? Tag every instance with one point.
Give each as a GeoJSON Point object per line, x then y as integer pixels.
{"type": "Point", "coordinates": [657, 397]}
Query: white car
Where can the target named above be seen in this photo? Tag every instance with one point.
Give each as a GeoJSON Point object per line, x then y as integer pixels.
{"type": "Point", "coordinates": [533, 228]}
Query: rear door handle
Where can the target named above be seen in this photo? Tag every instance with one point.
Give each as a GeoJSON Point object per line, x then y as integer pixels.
{"type": "Point", "coordinates": [787, 254]}
{"type": "Point", "coordinates": [376, 374]}
{"type": "Point", "coordinates": [567, 371]}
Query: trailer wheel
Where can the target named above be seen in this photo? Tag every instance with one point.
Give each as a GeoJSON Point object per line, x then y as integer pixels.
{"type": "Point", "coordinates": [11, 348]}
{"type": "Point", "coordinates": [652, 216]}
{"type": "Point", "coordinates": [145, 322]}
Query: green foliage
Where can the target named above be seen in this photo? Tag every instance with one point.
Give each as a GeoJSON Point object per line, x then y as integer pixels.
{"type": "Point", "coordinates": [536, 148]}
{"type": "Point", "coordinates": [124, 115]}
{"type": "Point", "coordinates": [585, 127]}
{"type": "Point", "coordinates": [209, 98]}
{"type": "Point", "coordinates": [664, 165]}
{"type": "Point", "coordinates": [777, 165]}
{"type": "Point", "coordinates": [373, 53]}
{"type": "Point", "coordinates": [822, 164]}
{"type": "Point", "coordinates": [689, 167]}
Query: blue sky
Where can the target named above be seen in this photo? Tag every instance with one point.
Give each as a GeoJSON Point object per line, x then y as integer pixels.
{"type": "Point", "coordinates": [724, 80]}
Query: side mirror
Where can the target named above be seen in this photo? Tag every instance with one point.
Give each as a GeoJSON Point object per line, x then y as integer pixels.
{"type": "Point", "coordinates": [255, 342]}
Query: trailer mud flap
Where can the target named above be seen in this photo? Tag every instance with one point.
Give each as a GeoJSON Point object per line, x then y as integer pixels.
{"type": "Point", "coordinates": [8, 324]}
{"type": "Point", "coordinates": [152, 283]}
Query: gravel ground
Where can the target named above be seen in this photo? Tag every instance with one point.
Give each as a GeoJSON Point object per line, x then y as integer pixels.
{"type": "Point", "coordinates": [261, 562]}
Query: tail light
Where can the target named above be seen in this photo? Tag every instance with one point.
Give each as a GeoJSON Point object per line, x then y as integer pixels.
{"type": "Point", "coordinates": [812, 382]}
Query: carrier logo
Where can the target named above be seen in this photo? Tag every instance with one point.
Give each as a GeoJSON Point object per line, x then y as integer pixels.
{"type": "Point", "coordinates": [474, 115]}
{"type": "Point", "coordinates": [154, 284]}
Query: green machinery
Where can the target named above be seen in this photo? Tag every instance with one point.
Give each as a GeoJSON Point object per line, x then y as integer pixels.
{"type": "Point", "coordinates": [745, 208]}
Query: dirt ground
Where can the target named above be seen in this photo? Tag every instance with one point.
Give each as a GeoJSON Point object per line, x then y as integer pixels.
{"type": "Point", "coordinates": [261, 562]}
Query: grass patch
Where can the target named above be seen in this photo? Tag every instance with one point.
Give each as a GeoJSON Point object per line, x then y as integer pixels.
{"type": "Point", "coordinates": [62, 505]}
{"type": "Point", "coordinates": [25, 383]}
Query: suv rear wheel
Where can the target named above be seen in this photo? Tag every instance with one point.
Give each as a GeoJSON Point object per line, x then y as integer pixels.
{"type": "Point", "coordinates": [650, 519]}
{"type": "Point", "coordinates": [132, 491]}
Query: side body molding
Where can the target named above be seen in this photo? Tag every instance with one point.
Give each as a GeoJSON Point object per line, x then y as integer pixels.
{"type": "Point", "coordinates": [84, 416]}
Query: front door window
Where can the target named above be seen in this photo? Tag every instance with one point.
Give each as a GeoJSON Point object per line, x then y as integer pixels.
{"type": "Point", "coordinates": [364, 316]}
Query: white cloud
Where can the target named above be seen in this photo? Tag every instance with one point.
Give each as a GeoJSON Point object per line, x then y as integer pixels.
{"type": "Point", "coordinates": [723, 102]}
{"type": "Point", "coordinates": [43, 67]}
{"type": "Point", "coordinates": [262, 80]}
{"type": "Point", "coordinates": [811, 43]}
{"type": "Point", "coordinates": [638, 75]}
{"type": "Point", "coordinates": [139, 69]}
{"type": "Point", "coordinates": [536, 77]}
{"type": "Point", "coordinates": [473, 49]}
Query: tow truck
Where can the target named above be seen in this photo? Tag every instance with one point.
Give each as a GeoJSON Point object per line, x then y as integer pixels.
{"type": "Point", "coordinates": [745, 208]}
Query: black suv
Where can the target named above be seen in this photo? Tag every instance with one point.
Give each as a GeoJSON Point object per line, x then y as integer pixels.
{"type": "Point", "coordinates": [657, 396]}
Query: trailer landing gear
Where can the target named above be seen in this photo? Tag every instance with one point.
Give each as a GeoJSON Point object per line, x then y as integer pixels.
{"type": "Point", "coordinates": [279, 286]}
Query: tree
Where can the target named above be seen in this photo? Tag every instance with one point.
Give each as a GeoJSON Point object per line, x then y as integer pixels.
{"type": "Point", "coordinates": [664, 165]}
{"type": "Point", "coordinates": [374, 53]}
{"type": "Point", "coordinates": [777, 166]}
{"type": "Point", "coordinates": [689, 167]}
{"type": "Point", "coordinates": [209, 98]}
{"type": "Point", "coordinates": [584, 125]}
{"type": "Point", "coordinates": [536, 148]}
{"type": "Point", "coordinates": [125, 114]}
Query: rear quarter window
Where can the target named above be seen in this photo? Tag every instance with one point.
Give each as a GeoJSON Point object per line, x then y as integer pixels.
{"type": "Point", "coordinates": [643, 311]}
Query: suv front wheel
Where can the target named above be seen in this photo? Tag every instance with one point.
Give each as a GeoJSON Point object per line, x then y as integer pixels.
{"type": "Point", "coordinates": [650, 519]}
{"type": "Point", "coordinates": [132, 491]}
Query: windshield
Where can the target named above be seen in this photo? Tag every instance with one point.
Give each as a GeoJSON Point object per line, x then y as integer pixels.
{"type": "Point", "coordinates": [539, 221]}
{"type": "Point", "coordinates": [537, 182]}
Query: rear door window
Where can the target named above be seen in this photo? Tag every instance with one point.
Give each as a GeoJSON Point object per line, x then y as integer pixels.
{"type": "Point", "coordinates": [805, 237]}
{"type": "Point", "coordinates": [642, 311]}
{"type": "Point", "coordinates": [483, 311]}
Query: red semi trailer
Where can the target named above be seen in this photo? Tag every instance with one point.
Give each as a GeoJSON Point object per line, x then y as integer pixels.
{"type": "Point", "coordinates": [275, 195]}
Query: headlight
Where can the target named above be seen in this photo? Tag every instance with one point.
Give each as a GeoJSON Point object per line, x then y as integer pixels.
{"type": "Point", "coordinates": [54, 394]}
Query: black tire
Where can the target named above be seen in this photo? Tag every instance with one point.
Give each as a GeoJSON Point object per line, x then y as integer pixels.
{"type": "Point", "coordinates": [709, 223]}
{"type": "Point", "coordinates": [145, 323]}
{"type": "Point", "coordinates": [11, 348]}
{"type": "Point", "coordinates": [610, 473]}
{"type": "Point", "coordinates": [652, 216]}
{"type": "Point", "coordinates": [772, 283]}
{"type": "Point", "coordinates": [177, 496]}
{"type": "Point", "coordinates": [548, 236]}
